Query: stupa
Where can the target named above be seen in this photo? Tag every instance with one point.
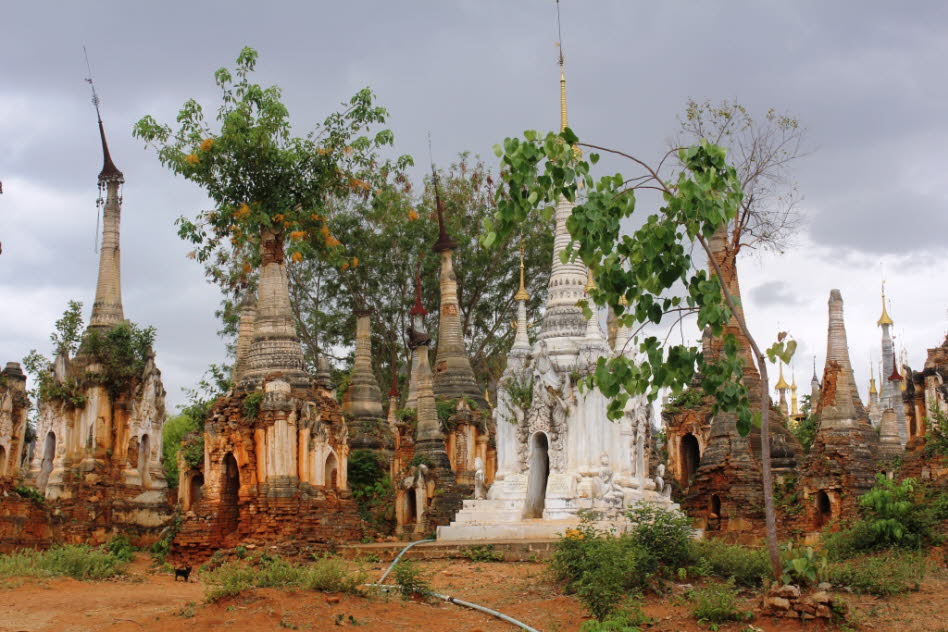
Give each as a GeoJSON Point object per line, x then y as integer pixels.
{"type": "Point", "coordinates": [558, 454]}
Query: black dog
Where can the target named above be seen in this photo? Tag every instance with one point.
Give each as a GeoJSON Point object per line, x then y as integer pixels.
{"type": "Point", "coordinates": [182, 572]}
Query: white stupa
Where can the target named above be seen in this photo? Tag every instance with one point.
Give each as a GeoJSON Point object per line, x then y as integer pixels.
{"type": "Point", "coordinates": [558, 454]}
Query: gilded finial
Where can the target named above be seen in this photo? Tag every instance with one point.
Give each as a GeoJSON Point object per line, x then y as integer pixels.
{"type": "Point", "coordinates": [590, 281]}
{"type": "Point", "coordinates": [885, 319]}
{"type": "Point", "coordinates": [521, 294]}
{"type": "Point", "coordinates": [782, 383]}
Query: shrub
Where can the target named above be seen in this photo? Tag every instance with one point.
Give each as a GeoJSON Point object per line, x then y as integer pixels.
{"type": "Point", "coordinates": [324, 575]}
{"type": "Point", "coordinates": [602, 569]}
{"type": "Point", "coordinates": [31, 493]}
{"type": "Point", "coordinates": [886, 574]}
{"type": "Point", "coordinates": [410, 581]}
{"type": "Point", "coordinates": [936, 433]}
{"type": "Point", "coordinates": [892, 514]}
{"type": "Point", "coordinates": [173, 431]}
{"type": "Point", "coordinates": [717, 603]}
{"type": "Point", "coordinates": [802, 566]}
{"type": "Point", "coordinates": [162, 546]}
{"type": "Point", "coordinates": [627, 618]}
{"type": "Point", "coordinates": [74, 560]}
{"type": "Point", "coordinates": [372, 489]}
{"type": "Point", "coordinates": [121, 548]}
{"type": "Point", "coordinates": [747, 567]}
{"type": "Point", "coordinates": [667, 535]}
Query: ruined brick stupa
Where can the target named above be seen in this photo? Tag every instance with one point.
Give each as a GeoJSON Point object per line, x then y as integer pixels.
{"type": "Point", "coordinates": [275, 448]}
{"type": "Point", "coordinates": [98, 456]}
{"type": "Point", "coordinates": [557, 452]}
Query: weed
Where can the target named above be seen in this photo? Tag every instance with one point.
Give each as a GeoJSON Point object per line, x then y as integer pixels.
{"type": "Point", "coordinates": [324, 575]}
{"type": "Point", "coordinates": [481, 553]}
{"type": "Point", "coordinates": [747, 567]}
{"type": "Point", "coordinates": [73, 560]}
{"type": "Point", "coordinates": [717, 603]}
{"type": "Point", "coordinates": [886, 574]}
{"type": "Point", "coordinates": [188, 611]}
{"type": "Point", "coordinates": [410, 581]}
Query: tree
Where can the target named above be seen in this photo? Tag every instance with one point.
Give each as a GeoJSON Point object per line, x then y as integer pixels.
{"type": "Point", "coordinates": [761, 151]}
{"type": "Point", "coordinates": [382, 240]}
{"type": "Point", "coordinates": [651, 268]}
{"type": "Point", "coordinates": [265, 184]}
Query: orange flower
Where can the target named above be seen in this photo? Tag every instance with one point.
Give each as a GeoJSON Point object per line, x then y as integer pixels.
{"type": "Point", "coordinates": [297, 235]}
{"type": "Point", "coordinates": [246, 268]}
{"type": "Point", "coordinates": [192, 255]}
{"type": "Point", "coordinates": [332, 242]}
{"type": "Point", "coordinates": [242, 212]}
{"type": "Point", "coordinates": [206, 144]}
{"type": "Point", "coordinates": [315, 217]}
{"type": "Point", "coordinates": [324, 231]}
{"type": "Point", "coordinates": [355, 262]}
{"type": "Point", "coordinates": [192, 159]}
{"type": "Point", "coordinates": [278, 218]}
{"type": "Point", "coordinates": [344, 267]}
{"type": "Point", "coordinates": [412, 215]}
{"type": "Point", "coordinates": [296, 257]}
{"type": "Point", "coordinates": [322, 151]}
{"type": "Point", "coordinates": [348, 150]}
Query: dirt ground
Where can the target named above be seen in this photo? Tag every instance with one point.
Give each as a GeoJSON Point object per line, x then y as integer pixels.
{"type": "Point", "coordinates": [146, 600]}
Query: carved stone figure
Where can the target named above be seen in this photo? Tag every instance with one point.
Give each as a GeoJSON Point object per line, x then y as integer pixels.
{"type": "Point", "coordinates": [480, 486]}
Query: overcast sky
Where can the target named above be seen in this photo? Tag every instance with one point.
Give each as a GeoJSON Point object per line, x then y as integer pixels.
{"type": "Point", "coordinates": [867, 79]}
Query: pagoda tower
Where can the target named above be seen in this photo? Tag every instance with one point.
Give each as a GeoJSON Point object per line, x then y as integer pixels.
{"type": "Point", "coordinates": [362, 402]}
{"type": "Point", "coordinates": [453, 376]}
{"type": "Point", "coordinates": [107, 309]}
{"type": "Point", "coordinates": [891, 396]}
{"type": "Point", "coordinates": [782, 388]}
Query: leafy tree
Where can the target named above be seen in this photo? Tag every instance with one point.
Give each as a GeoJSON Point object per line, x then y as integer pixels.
{"type": "Point", "coordinates": [651, 268]}
{"type": "Point", "coordinates": [266, 184]}
{"type": "Point", "coordinates": [68, 333]}
{"type": "Point", "coordinates": [761, 151]}
{"type": "Point", "coordinates": [172, 433]}
{"type": "Point", "coordinates": [377, 275]}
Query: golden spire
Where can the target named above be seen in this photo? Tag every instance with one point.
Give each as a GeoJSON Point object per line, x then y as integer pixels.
{"type": "Point", "coordinates": [782, 383]}
{"type": "Point", "coordinates": [590, 282]}
{"type": "Point", "coordinates": [872, 382]}
{"type": "Point", "coordinates": [564, 123]}
{"type": "Point", "coordinates": [794, 404]}
{"type": "Point", "coordinates": [884, 319]}
{"type": "Point", "coordinates": [521, 294]}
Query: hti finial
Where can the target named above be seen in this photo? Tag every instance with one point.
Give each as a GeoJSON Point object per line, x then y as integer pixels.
{"type": "Point", "coordinates": [109, 170]}
{"type": "Point", "coordinates": [418, 309]}
{"type": "Point", "coordinates": [521, 294]}
{"type": "Point", "coordinates": [444, 239]}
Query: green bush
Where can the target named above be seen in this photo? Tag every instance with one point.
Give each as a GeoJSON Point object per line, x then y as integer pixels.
{"type": "Point", "coordinates": [627, 618]}
{"type": "Point", "coordinates": [717, 603]}
{"type": "Point", "coordinates": [372, 489]}
{"type": "Point", "coordinates": [885, 574]}
{"type": "Point", "coordinates": [602, 569]}
{"type": "Point", "coordinates": [936, 433]}
{"type": "Point", "coordinates": [410, 581]}
{"type": "Point", "coordinates": [802, 566]}
{"type": "Point", "coordinates": [31, 493]}
{"type": "Point", "coordinates": [667, 535]}
{"type": "Point", "coordinates": [73, 560]}
{"type": "Point", "coordinates": [173, 431]}
{"type": "Point", "coordinates": [892, 515]}
{"type": "Point", "coordinates": [747, 567]}
{"type": "Point", "coordinates": [121, 548]}
{"type": "Point", "coordinates": [324, 575]}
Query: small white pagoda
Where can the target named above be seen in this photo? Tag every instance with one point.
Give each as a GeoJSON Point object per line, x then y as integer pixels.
{"type": "Point", "coordinates": [558, 454]}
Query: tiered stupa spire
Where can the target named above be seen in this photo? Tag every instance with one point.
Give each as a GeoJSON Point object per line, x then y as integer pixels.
{"type": "Point", "coordinates": [521, 343]}
{"type": "Point", "coordinates": [891, 395]}
{"type": "Point", "coordinates": [362, 403]}
{"type": "Point", "coordinates": [417, 340]}
{"type": "Point", "coordinates": [454, 377]}
{"type": "Point", "coordinates": [794, 404]}
{"type": "Point", "coordinates": [275, 346]}
{"type": "Point", "coordinates": [840, 404]}
{"type": "Point", "coordinates": [107, 308]}
{"type": "Point", "coordinates": [782, 388]}
{"type": "Point", "coordinates": [563, 318]}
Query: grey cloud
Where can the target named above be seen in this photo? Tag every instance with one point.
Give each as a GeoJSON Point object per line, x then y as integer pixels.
{"type": "Point", "coordinates": [774, 293]}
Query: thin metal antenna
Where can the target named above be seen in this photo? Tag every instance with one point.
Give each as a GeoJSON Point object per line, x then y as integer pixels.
{"type": "Point", "coordinates": [559, 34]}
{"type": "Point", "coordinates": [95, 103]}
{"type": "Point", "coordinates": [88, 79]}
